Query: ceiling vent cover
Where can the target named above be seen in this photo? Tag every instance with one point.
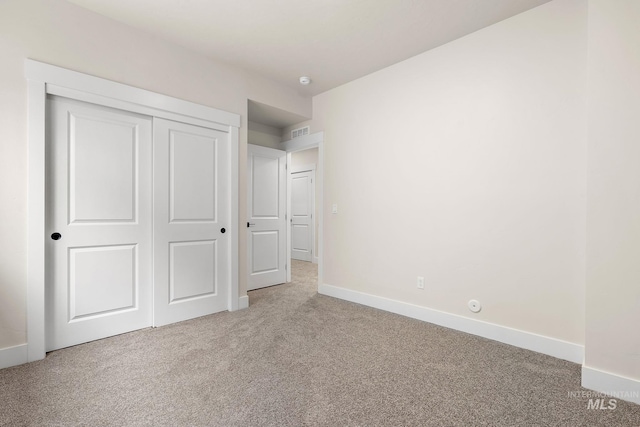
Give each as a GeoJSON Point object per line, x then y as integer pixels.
{"type": "Point", "coordinates": [300, 132]}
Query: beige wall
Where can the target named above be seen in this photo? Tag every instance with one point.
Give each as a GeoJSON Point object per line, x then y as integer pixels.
{"type": "Point", "coordinates": [266, 136]}
{"type": "Point", "coordinates": [59, 33]}
{"type": "Point", "coordinates": [613, 209]}
{"type": "Point", "coordinates": [467, 165]}
{"type": "Point", "coordinates": [303, 158]}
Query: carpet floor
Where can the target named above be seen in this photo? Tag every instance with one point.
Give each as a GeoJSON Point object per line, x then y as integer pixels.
{"type": "Point", "coordinates": [296, 358]}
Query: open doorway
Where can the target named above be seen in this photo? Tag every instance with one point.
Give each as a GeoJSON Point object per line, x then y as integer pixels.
{"type": "Point", "coordinates": [304, 206]}
{"type": "Point", "coordinates": [275, 129]}
{"type": "Point", "coordinates": [303, 223]}
{"type": "Point", "coordinates": [304, 214]}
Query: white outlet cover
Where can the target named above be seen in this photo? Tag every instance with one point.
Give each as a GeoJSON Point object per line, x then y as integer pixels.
{"type": "Point", "coordinates": [474, 306]}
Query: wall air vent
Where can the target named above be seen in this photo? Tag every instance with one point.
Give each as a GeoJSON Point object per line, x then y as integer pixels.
{"type": "Point", "coordinates": [300, 132]}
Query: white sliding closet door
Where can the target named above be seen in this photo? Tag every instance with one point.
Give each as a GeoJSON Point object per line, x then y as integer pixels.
{"type": "Point", "coordinates": [99, 220]}
{"type": "Point", "coordinates": [111, 264]}
{"type": "Point", "coordinates": [191, 220]}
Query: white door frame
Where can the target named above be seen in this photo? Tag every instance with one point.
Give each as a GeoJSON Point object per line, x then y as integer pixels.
{"type": "Point", "coordinates": [44, 79]}
{"type": "Point", "coordinates": [299, 144]}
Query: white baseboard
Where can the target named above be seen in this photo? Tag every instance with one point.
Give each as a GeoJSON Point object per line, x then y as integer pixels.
{"type": "Point", "coordinates": [243, 302]}
{"type": "Point", "coordinates": [611, 384]}
{"type": "Point", "coordinates": [315, 260]}
{"type": "Point", "coordinates": [527, 340]}
{"type": "Point", "coordinates": [13, 356]}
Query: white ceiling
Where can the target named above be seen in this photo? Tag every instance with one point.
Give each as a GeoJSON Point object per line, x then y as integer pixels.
{"type": "Point", "coordinates": [331, 41]}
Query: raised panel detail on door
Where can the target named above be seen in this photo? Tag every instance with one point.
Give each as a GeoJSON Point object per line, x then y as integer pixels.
{"type": "Point", "coordinates": [300, 238]}
{"type": "Point", "coordinates": [191, 219]}
{"type": "Point", "coordinates": [266, 204]}
{"type": "Point", "coordinates": [265, 259]}
{"type": "Point", "coordinates": [193, 176]}
{"type": "Point", "coordinates": [102, 280]}
{"type": "Point", "coordinates": [192, 270]}
{"type": "Point", "coordinates": [100, 192]}
{"type": "Point", "coordinates": [99, 187]}
{"type": "Point", "coordinates": [265, 174]}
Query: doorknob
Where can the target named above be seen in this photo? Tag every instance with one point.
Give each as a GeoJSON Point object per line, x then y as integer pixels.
{"type": "Point", "coordinates": [250, 224]}
{"type": "Point", "coordinates": [222, 230]}
{"type": "Point", "coordinates": [56, 236]}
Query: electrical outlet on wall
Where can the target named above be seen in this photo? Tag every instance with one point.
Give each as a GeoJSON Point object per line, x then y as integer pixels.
{"type": "Point", "coordinates": [420, 282]}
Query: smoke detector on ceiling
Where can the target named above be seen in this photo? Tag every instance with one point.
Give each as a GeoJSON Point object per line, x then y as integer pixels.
{"type": "Point", "coordinates": [304, 80]}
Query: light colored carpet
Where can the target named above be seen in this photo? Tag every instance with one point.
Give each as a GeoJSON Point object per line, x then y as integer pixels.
{"type": "Point", "coordinates": [296, 358]}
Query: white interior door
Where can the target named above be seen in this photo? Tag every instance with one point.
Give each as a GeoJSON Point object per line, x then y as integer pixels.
{"type": "Point", "coordinates": [191, 220]}
{"type": "Point", "coordinates": [266, 215]}
{"type": "Point", "coordinates": [302, 215]}
{"type": "Point", "coordinates": [99, 219]}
